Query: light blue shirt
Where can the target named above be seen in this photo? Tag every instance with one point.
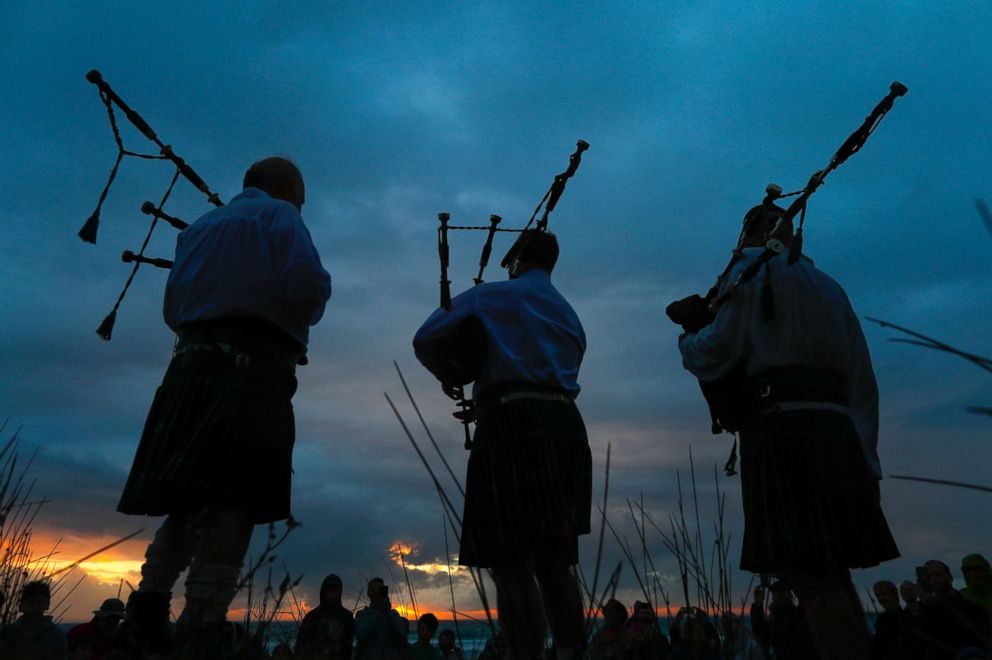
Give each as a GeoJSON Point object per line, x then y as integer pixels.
{"type": "Point", "coordinates": [814, 326]}
{"type": "Point", "coordinates": [533, 334]}
{"type": "Point", "coordinates": [253, 257]}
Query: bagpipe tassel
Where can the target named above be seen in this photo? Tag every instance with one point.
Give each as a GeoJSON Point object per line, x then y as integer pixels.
{"type": "Point", "coordinates": [730, 467]}
{"type": "Point", "coordinates": [767, 296]}
{"type": "Point", "coordinates": [106, 328]}
{"type": "Point", "coordinates": [88, 232]}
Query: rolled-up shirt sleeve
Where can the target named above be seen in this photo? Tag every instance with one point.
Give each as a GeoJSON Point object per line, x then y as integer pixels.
{"type": "Point", "coordinates": [713, 351]}
{"type": "Point", "coordinates": [303, 280]}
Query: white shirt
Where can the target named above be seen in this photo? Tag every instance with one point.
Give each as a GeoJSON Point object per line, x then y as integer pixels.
{"type": "Point", "coordinates": [814, 326]}
{"type": "Point", "coordinates": [253, 257]}
{"type": "Point", "coordinates": [533, 334]}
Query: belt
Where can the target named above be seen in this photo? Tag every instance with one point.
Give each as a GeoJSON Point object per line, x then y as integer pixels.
{"type": "Point", "coordinates": [488, 402]}
{"type": "Point", "coordinates": [247, 340]}
{"type": "Point", "coordinates": [541, 396]}
{"type": "Point", "coordinates": [789, 406]}
{"type": "Point", "coordinates": [240, 359]}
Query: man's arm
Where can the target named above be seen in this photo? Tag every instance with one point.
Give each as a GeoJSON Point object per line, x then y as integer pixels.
{"type": "Point", "coordinates": [716, 349]}
{"type": "Point", "coordinates": [432, 344]}
{"type": "Point", "coordinates": [303, 280]}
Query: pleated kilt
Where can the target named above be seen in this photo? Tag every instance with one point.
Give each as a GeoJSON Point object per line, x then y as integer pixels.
{"type": "Point", "coordinates": [220, 433]}
{"type": "Point", "coordinates": [529, 484]}
{"type": "Point", "coordinates": [810, 500]}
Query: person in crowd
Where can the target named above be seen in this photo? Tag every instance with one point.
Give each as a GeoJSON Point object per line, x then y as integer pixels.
{"type": "Point", "coordinates": [33, 636]}
{"type": "Point", "coordinates": [947, 623]}
{"type": "Point", "coordinates": [422, 649]}
{"type": "Point", "coordinates": [327, 630]}
{"type": "Point", "coordinates": [738, 642]}
{"type": "Point", "coordinates": [909, 591]}
{"type": "Point", "coordinates": [98, 633]}
{"type": "Point", "coordinates": [693, 637]}
{"type": "Point", "coordinates": [446, 645]}
{"type": "Point", "coordinates": [978, 581]}
{"type": "Point", "coordinates": [450, 651]}
{"type": "Point", "coordinates": [784, 633]}
{"type": "Point", "coordinates": [528, 494]}
{"type": "Point", "coordinates": [380, 631]}
{"type": "Point", "coordinates": [612, 641]}
{"type": "Point", "coordinates": [215, 455]}
{"type": "Point", "coordinates": [807, 414]}
{"type": "Point", "coordinates": [646, 639]}
{"type": "Point", "coordinates": [890, 626]}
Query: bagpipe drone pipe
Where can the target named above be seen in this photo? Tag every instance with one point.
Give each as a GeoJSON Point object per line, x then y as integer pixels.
{"type": "Point", "coordinates": [88, 232]}
{"type": "Point", "coordinates": [727, 397]}
{"type": "Point", "coordinates": [467, 343]}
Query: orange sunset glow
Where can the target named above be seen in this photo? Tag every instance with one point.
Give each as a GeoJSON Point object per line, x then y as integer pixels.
{"type": "Point", "coordinates": [109, 568]}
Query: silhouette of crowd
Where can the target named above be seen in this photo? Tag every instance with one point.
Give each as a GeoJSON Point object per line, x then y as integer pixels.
{"type": "Point", "coordinates": [936, 621]}
{"type": "Point", "coordinates": [922, 619]}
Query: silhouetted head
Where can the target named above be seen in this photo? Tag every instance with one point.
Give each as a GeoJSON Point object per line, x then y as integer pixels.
{"type": "Point", "coordinates": [426, 627]}
{"type": "Point", "coordinates": [939, 578]}
{"type": "Point", "coordinates": [280, 177]}
{"type": "Point", "coordinates": [539, 252]}
{"type": "Point", "coordinates": [644, 612]}
{"type": "Point", "coordinates": [446, 640]}
{"type": "Point", "coordinates": [759, 226]}
{"type": "Point", "coordinates": [614, 613]}
{"type": "Point", "coordinates": [977, 573]}
{"type": "Point", "coordinates": [887, 595]}
{"type": "Point", "coordinates": [376, 588]}
{"type": "Point", "coordinates": [36, 597]}
{"type": "Point", "coordinates": [330, 590]}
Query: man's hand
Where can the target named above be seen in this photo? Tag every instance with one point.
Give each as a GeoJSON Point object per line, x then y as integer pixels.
{"type": "Point", "coordinates": [466, 414]}
{"type": "Point", "coordinates": [454, 392]}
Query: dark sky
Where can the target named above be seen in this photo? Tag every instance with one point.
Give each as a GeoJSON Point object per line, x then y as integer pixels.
{"type": "Point", "coordinates": [395, 112]}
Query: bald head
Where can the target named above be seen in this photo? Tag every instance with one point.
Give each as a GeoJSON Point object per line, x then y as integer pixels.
{"type": "Point", "coordinates": [278, 176]}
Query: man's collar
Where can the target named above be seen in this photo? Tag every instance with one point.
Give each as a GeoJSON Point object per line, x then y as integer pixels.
{"type": "Point", "coordinates": [252, 193]}
{"type": "Point", "coordinates": [535, 273]}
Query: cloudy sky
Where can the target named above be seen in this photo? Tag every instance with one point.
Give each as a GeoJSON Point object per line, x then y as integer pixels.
{"type": "Point", "coordinates": [396, 111]}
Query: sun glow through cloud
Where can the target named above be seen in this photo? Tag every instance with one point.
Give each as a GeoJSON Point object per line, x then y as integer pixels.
{"type": "Point", "coordinates": [110, 568]}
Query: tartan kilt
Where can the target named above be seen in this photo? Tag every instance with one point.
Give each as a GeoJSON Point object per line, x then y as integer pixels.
{"type": "Point", "coordinates": [810, 499]}
{"type": "Point", "coordinates": [529, 484]}
{"type": "Point", "coordinates": [218, 435]}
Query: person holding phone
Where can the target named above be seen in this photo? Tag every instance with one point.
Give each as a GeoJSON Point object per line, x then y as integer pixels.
{"type": "Point", "coordinates": [380, 631]}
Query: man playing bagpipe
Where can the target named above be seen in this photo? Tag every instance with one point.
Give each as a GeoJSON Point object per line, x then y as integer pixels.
{"type": "Point", "coordinates": [529, 483]}
{"type": "Point", "coordinates": [807, 414]}
{"type": "Point", "coordinates": [215, 454]}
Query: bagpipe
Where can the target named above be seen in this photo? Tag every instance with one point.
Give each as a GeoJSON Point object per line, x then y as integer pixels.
{"type": "Point", "coordinates": [467, 343]}
{"type": "Point", "coordinates": [88, 232]}
{"type": "Point", "coordinates": [727, 397]}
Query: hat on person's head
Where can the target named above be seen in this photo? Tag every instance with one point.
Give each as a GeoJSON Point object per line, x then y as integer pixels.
{"type": "Point", "coordinates": [110, 607]}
